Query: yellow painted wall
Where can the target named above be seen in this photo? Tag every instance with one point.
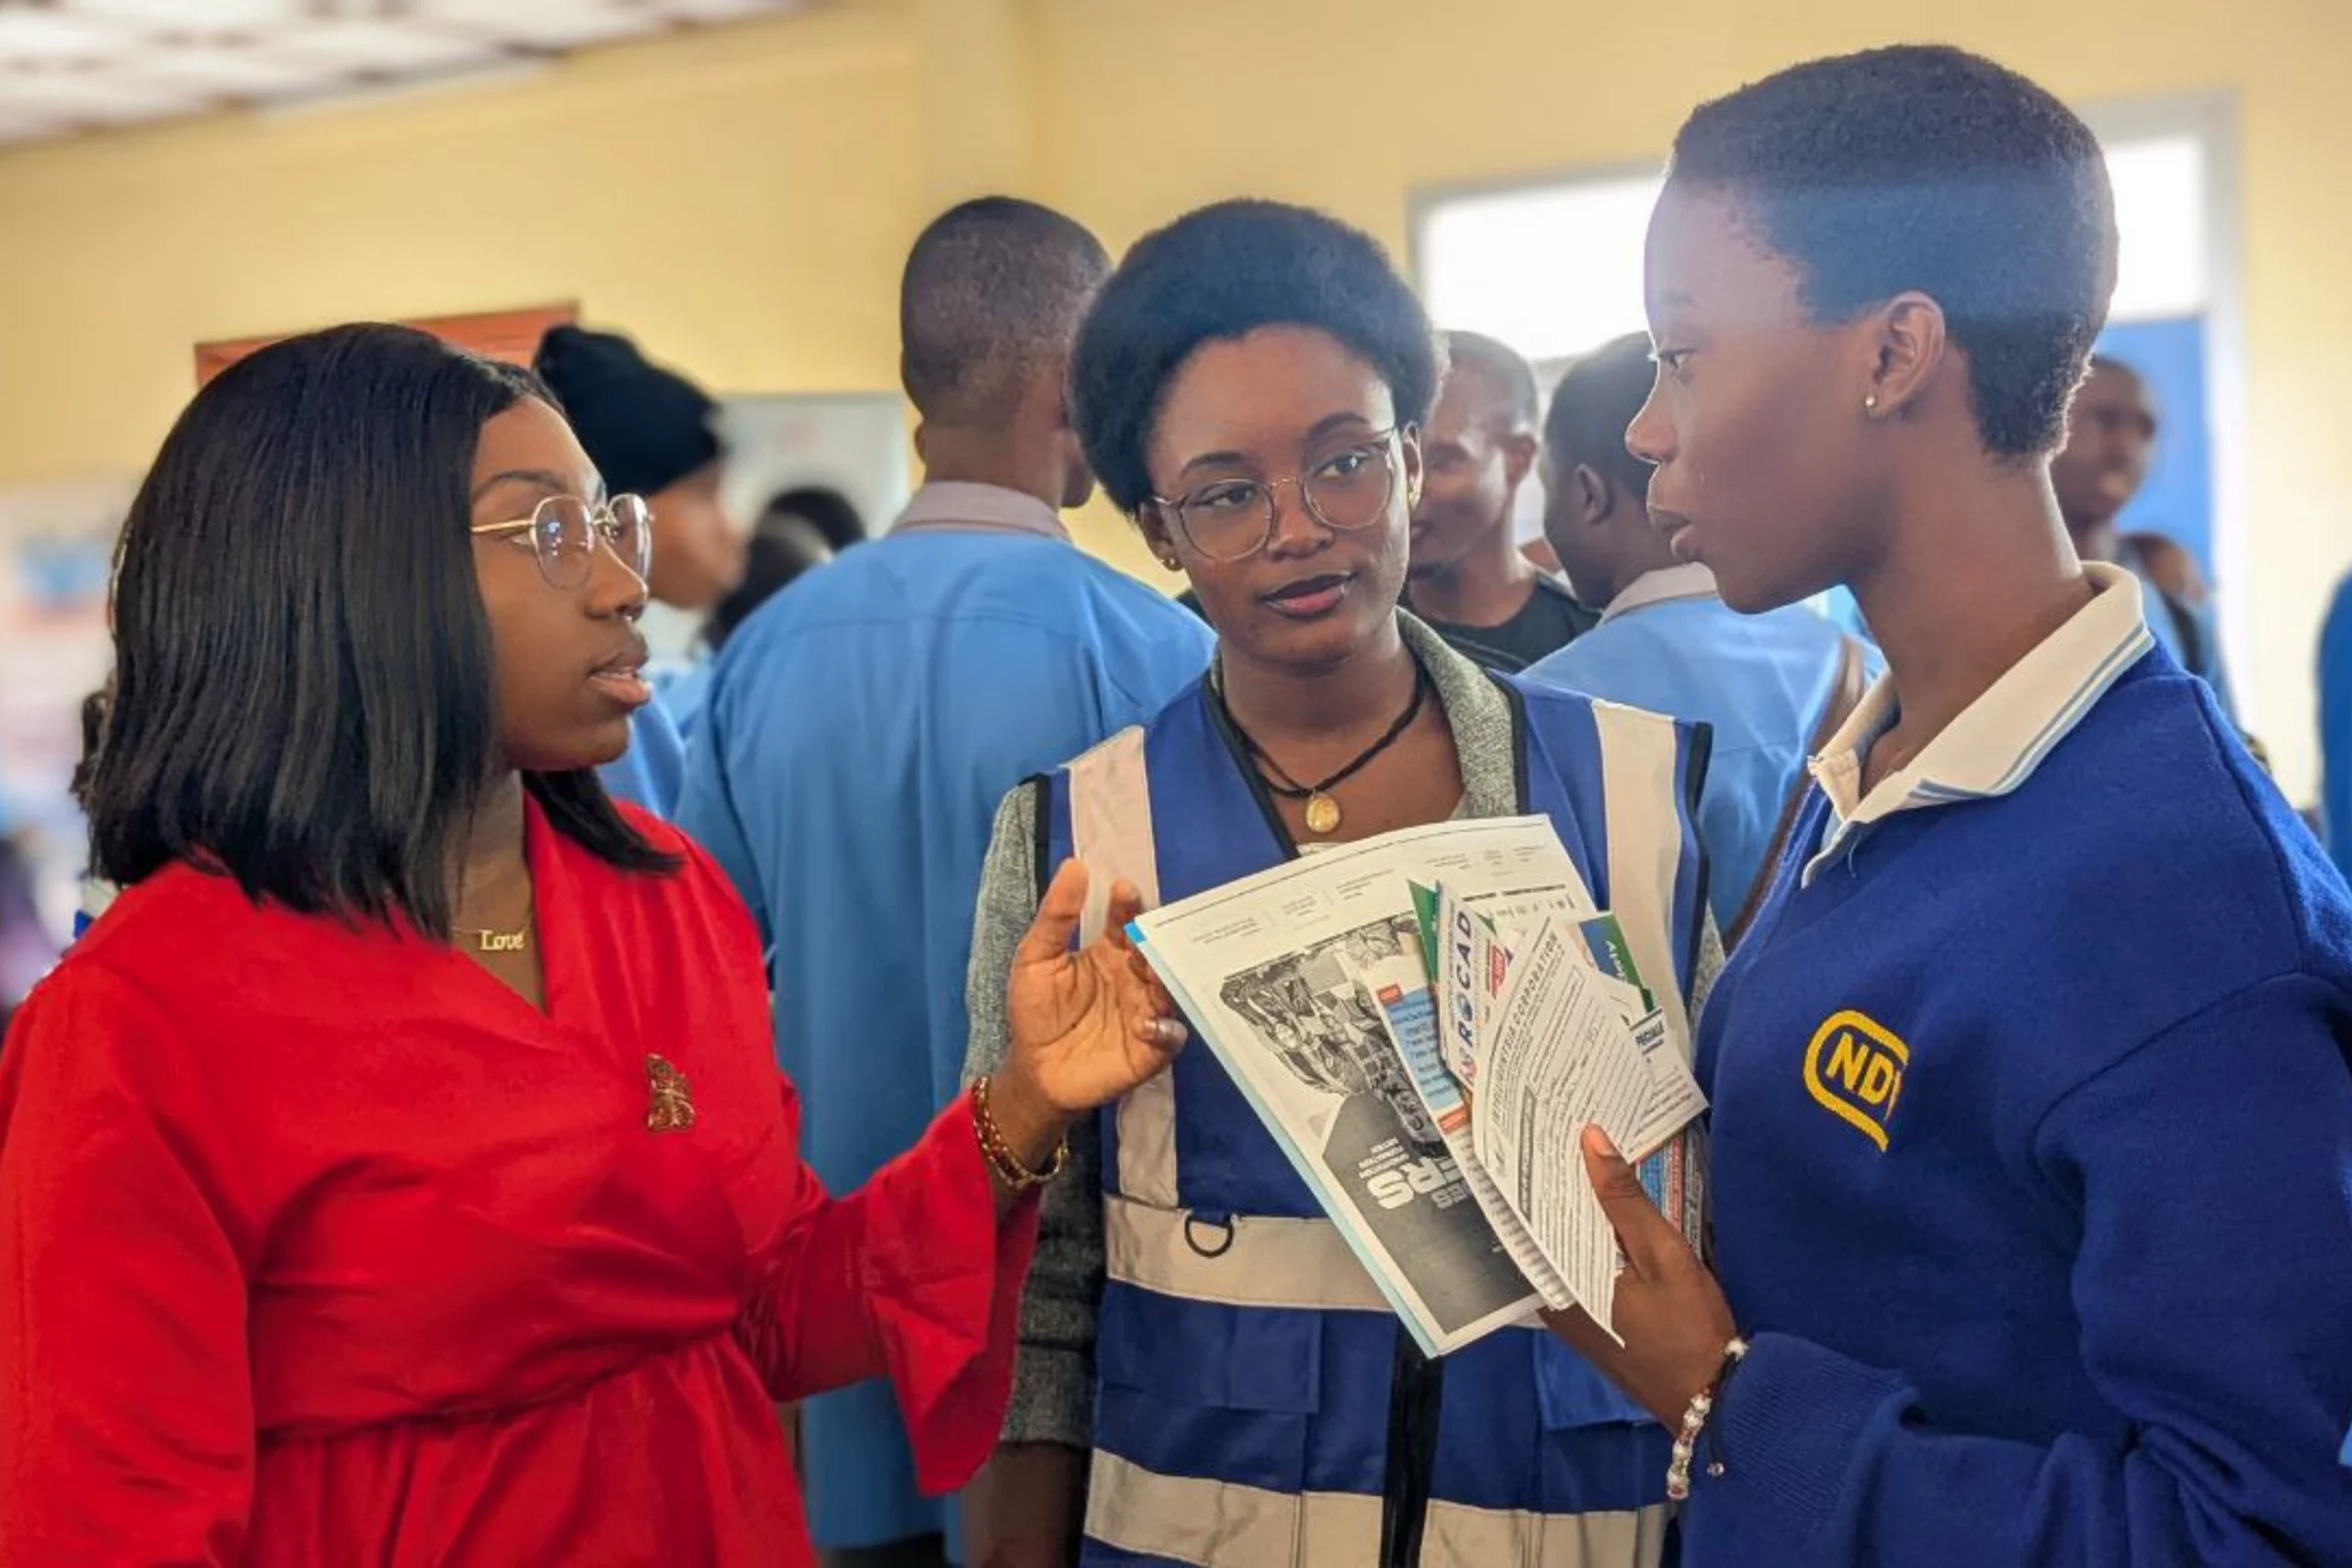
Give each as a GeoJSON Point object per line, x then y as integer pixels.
{"type": "Point", "coordinates": [742, 199]}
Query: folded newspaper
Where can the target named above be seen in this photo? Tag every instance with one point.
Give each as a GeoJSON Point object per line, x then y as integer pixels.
{"type": "Point", "coordinates": [1426, 1022]}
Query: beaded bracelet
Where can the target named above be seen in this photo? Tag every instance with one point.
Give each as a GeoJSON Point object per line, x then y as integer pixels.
{"type": "Point", "coordinates": [1694, 1420]}
{"type": "Point", "coordinates": [1016, 1176]}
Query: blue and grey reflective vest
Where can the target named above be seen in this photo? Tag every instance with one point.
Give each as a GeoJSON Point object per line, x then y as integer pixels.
{"type": "Point", "coordinates": [1258, 1405]}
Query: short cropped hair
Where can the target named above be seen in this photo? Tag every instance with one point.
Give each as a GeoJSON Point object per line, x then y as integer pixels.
{"type": "Point", "coordinates": [1503, 366]}
{"type": "Point", "coordinates": [1221, 272]}
{"type": "Point", "coordinates": [1592, 406]}
{"type": "Point", "coordinates": [302, 687]}
{"type": "Point", "coordinates": [1924, 167]}
{"type": "Point", "coordinates": [993, 289]}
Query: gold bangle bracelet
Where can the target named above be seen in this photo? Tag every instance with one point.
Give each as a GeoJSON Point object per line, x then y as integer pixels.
{"type": "Point", "coordinates": [1016, 1176]}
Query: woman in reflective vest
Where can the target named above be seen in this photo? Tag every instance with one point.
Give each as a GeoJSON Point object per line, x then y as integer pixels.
{"type": "Point", "coordinates": [1204, 1359]}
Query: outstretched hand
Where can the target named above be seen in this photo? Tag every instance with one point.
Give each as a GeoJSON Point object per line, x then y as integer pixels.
{"type": "Point", "coordinates": [1087, 1025]}
{"type": "Point", "coordinates": [1670, 1311]}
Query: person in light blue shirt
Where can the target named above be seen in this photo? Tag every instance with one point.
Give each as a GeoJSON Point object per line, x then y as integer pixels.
{"type": "Point", "coordinates": [2112, 429]}
{"type": "Point", "coordinates": [1771, 686]}
{"type": "Point", "coordinates": [862, 725]}
{"type": "Point", "coordinates": [798, 531]}
{"type": "Point", "coordinates": [651, 772]}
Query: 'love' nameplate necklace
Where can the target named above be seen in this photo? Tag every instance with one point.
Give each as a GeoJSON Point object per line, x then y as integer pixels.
{"type": "Point", "coordinates": [1322, 812]}
{"type": "Point", "coordinates": [500, 942]}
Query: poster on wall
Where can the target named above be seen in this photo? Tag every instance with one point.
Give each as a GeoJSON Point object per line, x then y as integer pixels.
{"type": "Point", "coordinates": [851, 442]}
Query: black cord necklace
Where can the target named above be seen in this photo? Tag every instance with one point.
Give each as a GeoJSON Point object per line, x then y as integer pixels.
{"type": "Point", "coordinates": [1322, 811]}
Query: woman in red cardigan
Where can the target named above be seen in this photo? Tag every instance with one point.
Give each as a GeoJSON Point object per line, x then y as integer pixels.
{"type": "Point", "coordinates": [397, 1174]}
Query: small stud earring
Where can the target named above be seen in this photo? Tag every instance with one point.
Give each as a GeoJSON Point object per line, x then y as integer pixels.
{"type": "Point", "coordinates": [1870, 404]}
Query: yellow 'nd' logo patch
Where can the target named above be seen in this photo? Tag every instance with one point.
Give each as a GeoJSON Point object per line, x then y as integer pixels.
{"type": "Point", "coordinates": [1854, 1069]}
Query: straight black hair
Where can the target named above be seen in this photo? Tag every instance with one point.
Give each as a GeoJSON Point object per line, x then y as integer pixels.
{"type": "Point", "coordinates": [302, 696]}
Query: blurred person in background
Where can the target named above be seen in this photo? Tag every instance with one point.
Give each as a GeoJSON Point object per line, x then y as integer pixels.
{"type": "Point", "coordinates": [27, 945]}
{"type": "Point", "coordinates": [2112, 429]}
{"type": "Point", "coordinates": [97, 893]}
{"type": "Point", "coordinates": [1470, 582]}
{"type": "Point", "coordinates": [797, 532]}
{"type": "Point", "coordinates": [1773, 688]}
{"type": "Point", "coordinates": [649, 431]}
{"type": "Point", "coordinates": [860, 728]}
{"type": "Point", "coordinates": [398, 1168]}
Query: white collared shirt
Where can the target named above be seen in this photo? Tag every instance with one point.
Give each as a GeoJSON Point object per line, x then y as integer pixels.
{"type": "Point", "coordinates": [2001, 737]}
{"type": "Point", "coordinates": [959, 504]}
{"type": "Point", "coordinates": [1662, 586]}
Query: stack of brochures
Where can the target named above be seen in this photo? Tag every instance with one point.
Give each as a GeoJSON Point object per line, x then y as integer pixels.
{"type": "Point", "coordinates": [1427, 1022]}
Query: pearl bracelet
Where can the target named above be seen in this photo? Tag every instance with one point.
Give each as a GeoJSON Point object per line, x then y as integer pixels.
{"type": "Point", "coordinates": [1694, 1421]}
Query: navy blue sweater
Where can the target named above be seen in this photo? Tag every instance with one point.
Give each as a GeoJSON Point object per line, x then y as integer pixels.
{"type": "Point", "coordinates": [2033, 1139]}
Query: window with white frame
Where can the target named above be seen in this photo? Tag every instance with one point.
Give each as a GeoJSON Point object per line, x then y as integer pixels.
{"type": "Point", "coordinates": [1555, 269]}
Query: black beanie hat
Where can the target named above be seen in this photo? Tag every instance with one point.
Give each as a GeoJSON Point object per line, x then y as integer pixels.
{"type": "Point", "coordinates": [644, 427]}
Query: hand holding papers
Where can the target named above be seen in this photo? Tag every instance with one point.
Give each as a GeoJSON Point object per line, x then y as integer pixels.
{"type": "Point", "coordinates": [1087, 1024]}
{"type": "Point", "coordinates": [1426, 1022]}
{"type": "Point", "coordinates": [1673, 1320]}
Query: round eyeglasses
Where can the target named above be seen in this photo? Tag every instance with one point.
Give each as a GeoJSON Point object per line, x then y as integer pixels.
{"type": "Point", "coordinates": [1231, 520]}
{"type": "Point", "coordinates": [565, 530]}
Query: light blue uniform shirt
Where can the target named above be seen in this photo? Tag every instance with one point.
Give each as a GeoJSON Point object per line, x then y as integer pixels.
{"type": "Point", "coordinates": [651, 771]}
{"type": "Point", "coordinates": [681, 688]}
{"type": "Point", "coordinates": [858, 733]}
{"type": "Point", "coordinates": [1669, 644]}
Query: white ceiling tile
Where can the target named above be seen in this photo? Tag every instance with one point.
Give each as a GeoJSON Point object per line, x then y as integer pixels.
{"type": "Point", "coordinates": [71, 63]}
{"type": "Point", "coordinates": [48, 38]}
{"type": "Point", "coordinates": [215, 70]}
{"type": "Point", "coordinates": [546, 24]}
{"type": "Point", "coordinates": [390, 48]}
{"type": "Point", "coordinates": [197, 17]}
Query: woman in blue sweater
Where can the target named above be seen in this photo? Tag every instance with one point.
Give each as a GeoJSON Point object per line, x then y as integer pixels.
{"type": "Point", "coordinates": [2033, 1121]}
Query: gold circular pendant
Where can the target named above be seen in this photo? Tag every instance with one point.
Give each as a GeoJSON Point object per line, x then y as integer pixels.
{"type": "Point", "coordinates": [1322, 814]}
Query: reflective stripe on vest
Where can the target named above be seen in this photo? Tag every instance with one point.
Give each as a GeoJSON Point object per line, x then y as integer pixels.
{"type": "Point", "coordinates": [1110, 823]}
{"type": "Point", "coordinates": [1641, 760]}
{"type": "Point", "coordinates": [1252, 1260]}
{"type": "Point", "coordinates": [1187, 1519]}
